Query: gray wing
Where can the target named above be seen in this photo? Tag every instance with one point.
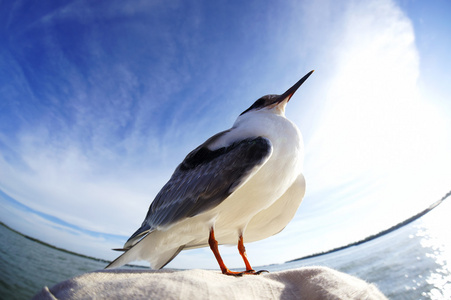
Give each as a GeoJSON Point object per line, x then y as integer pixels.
{"type": "Point", "coordinates": [203, 180]}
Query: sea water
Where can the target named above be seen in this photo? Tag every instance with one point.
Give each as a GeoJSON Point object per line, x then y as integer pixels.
{"type": "Point", "coordinates": [412, 262]}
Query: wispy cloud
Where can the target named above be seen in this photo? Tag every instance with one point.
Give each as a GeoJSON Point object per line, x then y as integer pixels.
{"type": "Point", "coordinates": [372, 126]}
{"type": "Point", "coordinates": [106, 99]}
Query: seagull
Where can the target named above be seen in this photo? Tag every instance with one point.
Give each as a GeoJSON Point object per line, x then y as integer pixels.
{"type": "Point", "coordinates": [242, 183]}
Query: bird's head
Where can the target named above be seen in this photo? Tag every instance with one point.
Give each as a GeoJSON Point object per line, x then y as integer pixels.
{"type": "Point", "coordinates": [277, 102]}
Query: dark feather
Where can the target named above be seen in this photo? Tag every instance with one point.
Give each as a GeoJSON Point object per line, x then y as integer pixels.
{"type": "Point", "coordinates": [203, 180]}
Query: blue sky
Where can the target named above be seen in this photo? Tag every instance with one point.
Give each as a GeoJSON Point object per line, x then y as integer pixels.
{"type": "Point", "coordinates": [101, 100]}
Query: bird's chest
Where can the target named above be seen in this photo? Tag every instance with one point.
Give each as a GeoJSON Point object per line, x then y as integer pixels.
{"type": "Point", "coordinates": [263, 189]}
{"type": "Point", "coordinates": [272, 180]}
{"type": "Point", "coordinates": [280, 171]}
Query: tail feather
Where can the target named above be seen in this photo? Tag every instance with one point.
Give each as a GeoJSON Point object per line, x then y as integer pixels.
{"type": "Point", "coordinates": [127, 257]}
{"type": "Point", "coordinates": [152, 248]}
{"type": "Point", "coordinates": [142, 231]}
{"type": "Point", "coordinates": [119, 249]}
{"type": "Point", "coordinates": [168, 260]}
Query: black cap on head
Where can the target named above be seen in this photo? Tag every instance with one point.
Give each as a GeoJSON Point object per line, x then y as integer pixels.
{"type": "Point", "coordinates": [276, 99]}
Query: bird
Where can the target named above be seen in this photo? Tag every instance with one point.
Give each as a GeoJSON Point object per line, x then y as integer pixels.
{"type": "Point", "coordinates": [244, 183]}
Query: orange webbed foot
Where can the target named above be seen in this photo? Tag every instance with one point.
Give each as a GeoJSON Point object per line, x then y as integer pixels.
{"type": "Point", "coordinates": [247, 272]}
{"type": "Point", "coordinates": [253, 272]}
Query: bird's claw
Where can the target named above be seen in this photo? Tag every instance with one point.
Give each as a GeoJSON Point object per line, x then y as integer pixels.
{"type": "Point", "coordinates": [247, 272]}
{"type": "Point", "coordinates": [253, 272]}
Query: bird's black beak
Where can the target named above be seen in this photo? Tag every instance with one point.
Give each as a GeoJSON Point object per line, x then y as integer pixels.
{"type": "Point", "coordinates": [290, 92]}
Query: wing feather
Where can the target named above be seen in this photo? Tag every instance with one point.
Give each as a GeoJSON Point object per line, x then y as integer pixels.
{"type": "Point", "coordinates": [205, 178]}
{"type": "Point", "coordinates": [202, 181]}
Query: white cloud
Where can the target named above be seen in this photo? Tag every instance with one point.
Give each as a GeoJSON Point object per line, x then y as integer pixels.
{"type": "Point", "coordinates": [366, 125]}
{"type": "Point", "coordinates": [375, 122]}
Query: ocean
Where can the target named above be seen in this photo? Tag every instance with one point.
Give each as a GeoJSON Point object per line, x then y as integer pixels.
{"type": "Point", "coordinates": [412, 262]}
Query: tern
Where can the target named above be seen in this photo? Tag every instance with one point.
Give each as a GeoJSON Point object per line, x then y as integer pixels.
{"type": "Point", "coordinates": [242, 183]}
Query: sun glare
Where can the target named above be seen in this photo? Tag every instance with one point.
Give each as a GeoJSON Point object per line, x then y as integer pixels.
{"type": "Point", "coordinates": [375, 122]}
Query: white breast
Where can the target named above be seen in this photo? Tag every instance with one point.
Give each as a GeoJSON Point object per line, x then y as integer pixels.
{"type": "Point", "coordinates": [271, 181]}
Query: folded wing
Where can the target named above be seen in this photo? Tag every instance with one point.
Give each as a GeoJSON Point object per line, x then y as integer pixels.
{"type": "Point", "coordinates": [202, 181]}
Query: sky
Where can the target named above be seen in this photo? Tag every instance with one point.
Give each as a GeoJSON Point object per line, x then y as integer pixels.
{"type": "Point", "coordinates": [101, 100]}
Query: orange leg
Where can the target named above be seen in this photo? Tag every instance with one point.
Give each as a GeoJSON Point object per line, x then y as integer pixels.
{"type": "Point", "coordinates": [214, 247]}
{"type": "Point", "coordinates": [243, 254]}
